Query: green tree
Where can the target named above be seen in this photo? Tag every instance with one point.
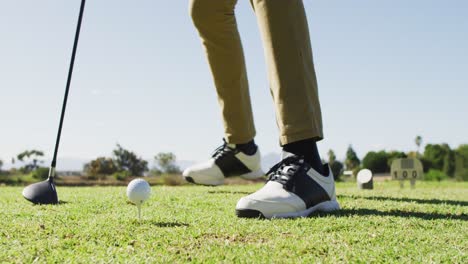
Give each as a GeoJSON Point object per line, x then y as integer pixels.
{"type": "Point", "coordinates": [462, 151]}
{"type": "Point", "coordinates": [100, 167]}
{"type": "Point", "coordinates": [40, 173]}
{"type": "Point", "coordinates": [31, 158]}
{"type": "Point", "coordinates": [1, 165]}
{"type": "Point", "coordinates": [335, 166]}
{"type": "Point", "coordinates": [377, 162]}
{"type": "Point", "coordinates": [435, 175]}
{"type": "Point", "coordinates": [128, 161]}
{"type": "Point", "coordinates": [461, 164]}
{"type": "Point", "coordinates": [166, 162]}
{"type": "Point", "coordinates": [449, 164]}
{"type": "Point", "coordinates": [352, 161]}
{"type": "Point", "coordinates": [439, 157]}
{"type": "Point", "coordinates": [418, 140]}
{"type": "Point", "coordinates": [435, 155]}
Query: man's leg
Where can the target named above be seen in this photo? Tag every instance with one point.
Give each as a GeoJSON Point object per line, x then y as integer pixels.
{"type": "Point", "coordinates": [285, 33]}
{"type": "Point", "coordinates": [299, 184]}
{"type": "Point", "coordinates": [239, 156]}
{"type": "Point", "coordinates": [216, 23]}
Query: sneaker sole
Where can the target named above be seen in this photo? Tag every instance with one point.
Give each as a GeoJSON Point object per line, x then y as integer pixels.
{"type": "Point", "coordinates": [191, 180]}
{"type": "Point", "coordinates": [328, 206]}
{"type": "Point", "coordinates": [247, 213]}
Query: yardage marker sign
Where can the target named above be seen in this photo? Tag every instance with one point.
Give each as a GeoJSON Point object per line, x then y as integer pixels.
{"type": "Point", "coordinates": [407, 169]}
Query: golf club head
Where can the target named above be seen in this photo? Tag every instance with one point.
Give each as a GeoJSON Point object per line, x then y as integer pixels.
{"type": "Point", "coordinates": [43, 192]}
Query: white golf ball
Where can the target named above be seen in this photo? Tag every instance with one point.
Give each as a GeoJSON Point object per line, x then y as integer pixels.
{"type": "Point", "coordinates": [138, 191]}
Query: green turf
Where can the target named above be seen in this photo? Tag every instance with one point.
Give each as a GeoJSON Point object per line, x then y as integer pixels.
{"type": "Point", "coordinates": [198, 224]}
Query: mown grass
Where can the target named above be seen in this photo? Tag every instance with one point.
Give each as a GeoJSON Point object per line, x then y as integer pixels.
{"type": "Point", "coordinates": [198, 224]}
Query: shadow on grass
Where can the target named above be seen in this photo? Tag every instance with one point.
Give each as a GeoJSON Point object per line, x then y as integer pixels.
{"type": "Point", "coordinates": [59, 203]}
{"type": "Point", "coordinates": [228, 192]}
{"type": "Point", "coordinates": [409, 200]}
{"type": "Point", "coordinates": [395, 213]}
{"type": "Point", "coordinates": [161, 224]}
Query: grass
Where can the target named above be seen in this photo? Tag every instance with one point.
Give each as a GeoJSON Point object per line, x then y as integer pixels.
{"type": "Point", "coordinates": [198, 224]}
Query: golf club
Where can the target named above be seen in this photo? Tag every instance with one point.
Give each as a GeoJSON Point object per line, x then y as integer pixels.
{"type": "Point", "coordinates": [45, 192]}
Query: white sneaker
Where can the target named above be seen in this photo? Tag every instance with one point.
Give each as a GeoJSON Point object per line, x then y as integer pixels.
{"type": "Point", "coordinates": [226, 161]}
{"type": "Point", "coordinates": [293, 189]}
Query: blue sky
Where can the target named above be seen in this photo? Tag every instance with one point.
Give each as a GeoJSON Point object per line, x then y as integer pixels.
{"type": "Point", "coordinates": [387, 71]}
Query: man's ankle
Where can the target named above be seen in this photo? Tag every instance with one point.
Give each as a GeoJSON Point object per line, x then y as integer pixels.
{"type": "Point", "coordinates": [249, 148]}
{"type": "Point", "coordinates": [308, 149]}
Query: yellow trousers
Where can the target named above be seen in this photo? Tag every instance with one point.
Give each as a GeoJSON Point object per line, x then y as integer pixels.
{"type": "Point", "coordinates": [288, 52]}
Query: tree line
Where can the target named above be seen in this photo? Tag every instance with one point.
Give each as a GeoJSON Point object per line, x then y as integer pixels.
{"type": "Point", "coordinates": [125, 163]}
{"type": "Point", "coordinates": [122, 164]}
{"type": "Point", "coordinates": [439, 161]}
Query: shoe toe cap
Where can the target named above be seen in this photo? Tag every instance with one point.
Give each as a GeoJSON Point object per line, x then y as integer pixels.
{"type": "Point", "coordinates": [268, 208]}
{"type": "Point", "coordinates": [205, 174]}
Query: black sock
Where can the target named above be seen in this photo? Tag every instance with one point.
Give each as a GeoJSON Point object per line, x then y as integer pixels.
{"type": "Point", "coordinates": [248, 148]}
{"type": "Point", "coordinates": [308, 149]}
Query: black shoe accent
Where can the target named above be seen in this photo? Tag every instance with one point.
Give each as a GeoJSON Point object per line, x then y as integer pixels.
{"type": "Point", "coordinates": [248, 213]}
{"type": "Point", "coordinates": [306, 148]}
{"type": "Point", "coordinates": [189, 179]}
{"type": "Point", "coordinates": [248, 148]}
{"type": "Point", "coordinates": [226, 160]}
{"type": "Point", "coordinates": [292, 174]}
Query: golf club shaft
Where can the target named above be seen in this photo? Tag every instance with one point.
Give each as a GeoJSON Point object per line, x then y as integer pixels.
{"type": "Point", "coordinates": [64, 106]}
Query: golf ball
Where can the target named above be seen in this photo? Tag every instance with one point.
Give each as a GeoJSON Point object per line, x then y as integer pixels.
{"type": "Point", "coordinates": [138, 191]}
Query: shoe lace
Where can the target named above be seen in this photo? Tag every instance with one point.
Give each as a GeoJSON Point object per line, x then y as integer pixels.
{"type": "Point", "coordinates": [222, 150]}
{"type": "Point", "coordinates": [284, 171]}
